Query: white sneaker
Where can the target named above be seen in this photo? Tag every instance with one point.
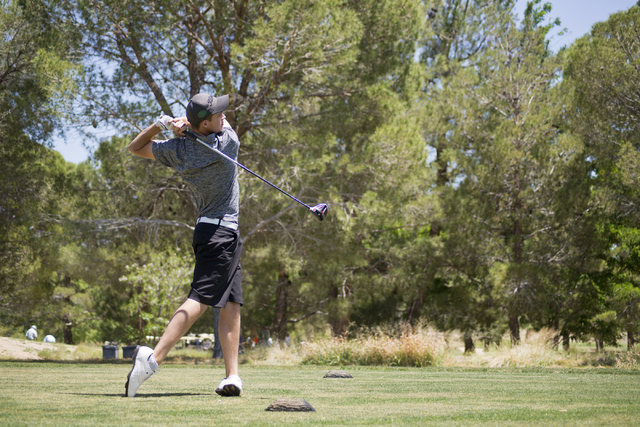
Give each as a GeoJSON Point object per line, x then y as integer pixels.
{"type": "Point", "coordinates": [230, 386]}
{"type": "Point", "coordinates": [140, 372]}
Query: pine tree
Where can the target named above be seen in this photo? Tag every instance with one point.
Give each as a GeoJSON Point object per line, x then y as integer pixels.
{"type": "Point", "coordinates": [517, 191]}
{"type": "Point", "coordinates": [602, 76]}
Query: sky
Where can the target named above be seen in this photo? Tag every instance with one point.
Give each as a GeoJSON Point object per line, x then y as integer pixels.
{"type": "Point", "coordinates": [577, 16]}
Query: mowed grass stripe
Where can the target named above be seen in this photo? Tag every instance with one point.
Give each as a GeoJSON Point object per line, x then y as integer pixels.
{"type": "Point", "coordinates": [91, 394]}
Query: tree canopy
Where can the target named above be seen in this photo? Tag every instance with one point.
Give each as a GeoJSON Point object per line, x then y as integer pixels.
{"type": "Point", "coordinates": [476, 179]}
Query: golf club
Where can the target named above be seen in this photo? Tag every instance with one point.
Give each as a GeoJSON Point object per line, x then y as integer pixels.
{"type": "Point", "coordinates": [319, 210]}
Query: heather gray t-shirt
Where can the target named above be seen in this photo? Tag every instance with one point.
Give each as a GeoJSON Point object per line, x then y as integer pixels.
{"type": "Point", "coordinates": [212, 178]}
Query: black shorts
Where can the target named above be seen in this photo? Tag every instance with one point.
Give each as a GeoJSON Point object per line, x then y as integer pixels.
{"type": "Point", "coordinates": [217, 274]}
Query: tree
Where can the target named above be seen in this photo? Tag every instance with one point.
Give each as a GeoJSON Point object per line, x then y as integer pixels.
{"type": "Point", "coordinates": [304, 78]}
{"type": "Point", "coordinates": [68, 309]}
{"type": "Point", "coordinates": [459, 31]}
{"type": "Point", "coordinates": [430, 255]}
{"type": "Point", "coordinates": [602, 77]}
{"type": "Point", "coordinates": [514, 187]}
{"type": "Point", "coordinates": [35, 73]}
{"type": "Point", "coordinates": [156, 288]}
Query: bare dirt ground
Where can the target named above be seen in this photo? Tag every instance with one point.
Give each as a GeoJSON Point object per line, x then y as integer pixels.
{"type": "Point", "coordinates": [11, 348]}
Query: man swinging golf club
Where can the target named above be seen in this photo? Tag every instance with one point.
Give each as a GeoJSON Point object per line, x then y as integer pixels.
{"type": "Point", "coordinates": [216, 240]}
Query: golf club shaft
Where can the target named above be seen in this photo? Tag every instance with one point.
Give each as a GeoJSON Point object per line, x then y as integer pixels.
{"type": "Point", "coordinates": [194, 136]}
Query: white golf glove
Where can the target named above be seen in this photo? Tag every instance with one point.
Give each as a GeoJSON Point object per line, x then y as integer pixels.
{"type": "Point", "coordinates": [164, 122]}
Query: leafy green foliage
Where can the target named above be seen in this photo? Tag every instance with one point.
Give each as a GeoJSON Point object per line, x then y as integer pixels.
{"type": "Point", "coordinates": [157, 288]}
{"type": "Point", "coordinates": [475, 178]}
{"type": "Point", "coordinates": [35, 74]}
{"type": "Point", "coordinates": [600, 77]}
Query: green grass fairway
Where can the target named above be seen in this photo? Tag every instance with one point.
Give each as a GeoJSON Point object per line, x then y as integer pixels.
{"type": "Point", "coordinates": [78, 394]}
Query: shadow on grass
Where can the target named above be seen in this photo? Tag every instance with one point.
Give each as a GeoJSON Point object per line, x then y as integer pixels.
{"type": "Point", "coordinates": [171, 360]}
{"type": "Point", "coordinates": [73, 362]}
{"type": "Point", "coordinates": [142, 396]}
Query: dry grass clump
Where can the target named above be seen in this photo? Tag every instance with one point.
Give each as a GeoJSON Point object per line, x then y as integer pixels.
{"type": "Point", "coordinates": [412, 346]}
{"type": "Point", "coordinates": [630, 360]}
{"type": "Point", "coordinates": [535, 350]}
{"type": "Point", "coordinates": [279, 354]}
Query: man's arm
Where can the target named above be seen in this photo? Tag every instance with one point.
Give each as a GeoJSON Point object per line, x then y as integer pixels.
{"type": "Point", "coordinates": [143, 143]}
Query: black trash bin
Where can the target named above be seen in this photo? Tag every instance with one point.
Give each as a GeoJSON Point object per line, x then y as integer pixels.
{"type": "Point", "coordinates": [110, 351]}
{"type": "Point", "coordinates": [128, 350]}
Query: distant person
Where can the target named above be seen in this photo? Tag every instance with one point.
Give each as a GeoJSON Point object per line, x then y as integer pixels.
{"type": "Point", "coordinates": [49, 338]}
{"type": "Point", "coordinates": [216, 240]}
{"type": "Point", "coordinates": [32, 333]}
{"type": "Point", "coordinates": [287, 340]}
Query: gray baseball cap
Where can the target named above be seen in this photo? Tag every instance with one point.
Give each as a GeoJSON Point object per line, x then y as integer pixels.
{"type": "Point", "coordinates": [203, 105]}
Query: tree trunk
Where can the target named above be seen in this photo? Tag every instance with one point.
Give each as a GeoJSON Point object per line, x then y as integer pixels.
{"type": "Point", "coordinates": [631, 340]}
{"type": "Point", "coordinates": [514, 329]}
{"type": "Point", "coordinates": [217, 348]}
{"type": "Point", "coordinates": [566, 341]}
{"type": "Point", "coordinates": [556, 341]}
{"type": "Point", "coordinates": [338, 319]}
{"type": "Point", "coordinates": [468, 343]}
{"type": "Point", "coordinates": [414, 310]}
{"type": "Point", "coordinates": [518, 242]}
{"type": "Point", "coordinates": [193, 66]}
{"type": "Point", "coordinates": [599, 345]}
{"type": "Point", "coordinates": [442, 177]}
{"type": "Point", "coordinates": [282, 306]}
{"type": "Point", "coordinates": [416, 306]}
{"type": "Point", "coordinates": [140, 67]}
{"type": "Point", "coordinates": [68, 336]}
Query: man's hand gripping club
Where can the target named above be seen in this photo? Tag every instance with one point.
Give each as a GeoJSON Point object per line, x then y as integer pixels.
{"type": "Point", "coordinates": [178, 125]}
{"type": "Point", "coordinates": [143, 143]}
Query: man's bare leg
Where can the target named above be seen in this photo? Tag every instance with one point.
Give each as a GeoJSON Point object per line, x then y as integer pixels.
{"type": "Point", "coordinates": [182, 320]}
{"type": "Point", "coordinates": [229, 332]}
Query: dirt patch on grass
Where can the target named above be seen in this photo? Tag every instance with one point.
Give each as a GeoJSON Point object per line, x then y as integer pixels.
{"type": "Point", "coordinates": [11, 348]}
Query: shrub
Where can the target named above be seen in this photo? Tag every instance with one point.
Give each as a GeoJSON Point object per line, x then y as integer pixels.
{"type": "Point", "coordinates": [411, 347]}
{"type": "Point", "coordinates": [279, 354]}
{"type": "Point", "coordinates": [536, 349]}
{"type": "Point", "coordinates": [630, 360]}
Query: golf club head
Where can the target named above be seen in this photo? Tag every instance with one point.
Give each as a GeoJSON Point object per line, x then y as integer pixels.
{"type": "Point", "coordinates": [320, 210]}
